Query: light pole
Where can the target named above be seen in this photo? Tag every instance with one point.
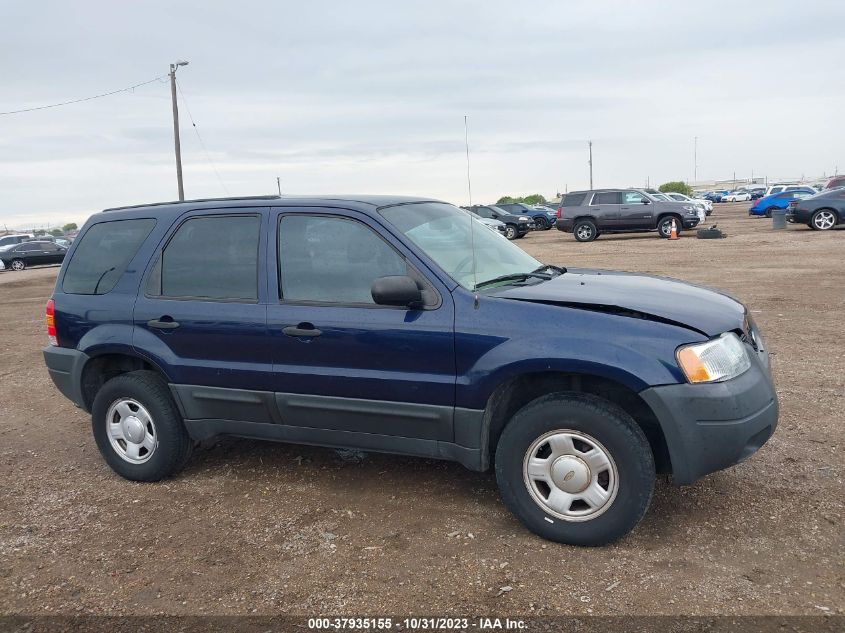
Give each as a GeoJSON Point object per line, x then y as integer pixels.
{"type": "Point", "coordinates": [695, 161]}
{"type": "Point", "coordinates": [590, 144]}
{"type": "Point", "coordinates": [176, 142]}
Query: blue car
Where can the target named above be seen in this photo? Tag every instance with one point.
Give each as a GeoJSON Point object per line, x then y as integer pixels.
{"type": "Point", "coordinates": [394, 324]}
{"type": "Point", "coordinates": [766, 205]}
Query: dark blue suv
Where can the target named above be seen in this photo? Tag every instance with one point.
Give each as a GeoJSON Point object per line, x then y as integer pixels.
{"type": "Point", "coordinates": [396, 324]}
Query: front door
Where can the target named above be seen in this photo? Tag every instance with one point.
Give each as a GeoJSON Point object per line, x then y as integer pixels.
{"type": "Point", "coordinates": [373, 376]}
{"type": "Point", "coordinates": [635, 211]}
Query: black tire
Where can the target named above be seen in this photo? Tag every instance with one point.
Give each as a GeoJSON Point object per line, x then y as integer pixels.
{"type": "Point", "coordinates": [601, 421]}
{"type": "Point", "coordinates": [585, 231]}
{"type": "Point", "coordinates": [510, 232]}
{"type": "Point", "coordinates": [18, 264]}
{"type": "Point", "coordinates": [174, 445]}
{"type": "Point", "coordinates": [769, 211]}
{"type": "Point", "coordinates": [664, 226]}
{"type": "Point", "coordinates": [540, 224]}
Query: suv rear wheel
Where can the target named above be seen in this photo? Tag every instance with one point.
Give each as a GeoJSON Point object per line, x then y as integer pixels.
{"type": "Point", "coordinates": [138, 428]}
{"type": "Point", "coordinates": [510, 232]}
{"type": "Point", "coordinates": [585, 231]}
{"type": "Point", "coordinates": [540, 223]}
{"type": "Point", "coordinates": [575, 468]}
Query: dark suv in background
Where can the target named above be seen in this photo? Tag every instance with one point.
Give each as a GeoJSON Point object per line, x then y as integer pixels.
{"type": "Point", "coordinates": [516, 226]}
{"type": "Point", "coordinates": [543, 217]}
{"type": "Point", "coordinates": [588, 214]}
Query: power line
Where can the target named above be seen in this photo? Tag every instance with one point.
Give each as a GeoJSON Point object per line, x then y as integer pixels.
{"type": "Point", "coordinates": [105, 94]}
{"type": "Point", "coordinates": [202, 143]}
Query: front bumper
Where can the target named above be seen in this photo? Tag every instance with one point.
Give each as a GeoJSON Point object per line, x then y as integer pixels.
{"type": "Point", "coordinates": [709, 427]}
{"type": "Point", "coordinates": [65, 368]}
{"type": "Point", "coordinates": [690, 222]}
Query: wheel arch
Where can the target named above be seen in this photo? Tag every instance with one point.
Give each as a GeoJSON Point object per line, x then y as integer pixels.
{"type": "Point", "coordinates": [517, 391]}
{"type": "Point", "coordinates": [101, 368]}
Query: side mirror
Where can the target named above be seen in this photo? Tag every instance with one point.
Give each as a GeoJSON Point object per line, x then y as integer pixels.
{"type": "Point", "coordinates": [646, 201]}
{"type": "Point", "coordinates": [396, 290]}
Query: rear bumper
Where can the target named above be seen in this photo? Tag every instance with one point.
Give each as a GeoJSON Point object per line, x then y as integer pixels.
{"type": "Point", "coordinates": [564, 224]}
{"type": "Point", "coordinates": [709, 427]}
{"type": "Point", "coordinates": [65, 368]}
{"type": "Point", "coordinates": [798, 216]}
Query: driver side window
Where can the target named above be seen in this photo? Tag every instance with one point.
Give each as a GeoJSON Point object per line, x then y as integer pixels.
{"type": "Point", "coordinates": [330, 259]}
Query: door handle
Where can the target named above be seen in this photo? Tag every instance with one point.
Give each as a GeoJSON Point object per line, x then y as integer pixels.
{"type": "Point", "coordinates": [163, 324]}
{"type": "Point", "coordinates": [308, 331]}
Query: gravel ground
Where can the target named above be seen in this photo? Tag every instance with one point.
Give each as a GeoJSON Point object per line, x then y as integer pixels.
{"type": "Point", "coordinates": [253, 527]}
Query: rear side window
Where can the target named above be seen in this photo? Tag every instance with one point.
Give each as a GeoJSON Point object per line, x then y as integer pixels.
{"type": "Point", "coordinates": [102, 255]}
{"type": "Point", "coordinates": [607, 197]}
{"type": "Point", "coordinates": [210, 257]}
{"type": "Point", "coordinates": [574, 199]}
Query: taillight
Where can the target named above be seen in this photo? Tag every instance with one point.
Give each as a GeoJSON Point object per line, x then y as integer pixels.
{"type": "Point", "coordinates": [51, 322]}
{"type": "Point", "coordinates": [559, 209]}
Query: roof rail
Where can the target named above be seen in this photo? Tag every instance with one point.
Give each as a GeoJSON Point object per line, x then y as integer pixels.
{"type": "Point", "coordinates": [161, 204]}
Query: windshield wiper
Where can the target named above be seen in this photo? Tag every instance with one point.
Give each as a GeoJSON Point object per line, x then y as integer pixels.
{"type": "Point", "coordinates": [512, 277]}
{"type": "Point", "coordinates": [560, 270]}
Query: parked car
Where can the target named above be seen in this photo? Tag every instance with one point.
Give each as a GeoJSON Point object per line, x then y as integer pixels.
{"type": "Point", "coordinates": [2, 265]}
{"type": "Point", "coordinates": [787, 187]}
{"type": "Point", "coordinates": [6, 240]}
{"type": "Point", "coordinates": [717, 196]}
{"type": "Point", "coordinates": [821, 212]}
{"type": "Point", "coordinates": [835, 183]}
{"type": "Point", "coordinates": [703, 204]}
{"type": "Point", "coordinates": [542, 217]}
{"type": "Point", "coordinates": [516, 226]}
{"type": "Point", "coordinates": [494, 225]}
{"type": "Point", "coordinates": [739, 195]}
{"type": "Point", "coordinates": [588, 214]}
{"type": "Point", "coordinates": [765, 206]}
{"type": "Point", "coordinates": [385, 324]}
{"type": "Point", "coordinates": [65, 243]}
{"type": "Point", "coordinates": [756, 194]}
{"type": "Point", "coordinates": [19, 256]}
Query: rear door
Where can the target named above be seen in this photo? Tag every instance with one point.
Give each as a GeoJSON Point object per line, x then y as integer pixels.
{"type": "Point", "coordinates": [344, 366]}
{"type": "Point", "coordinates": [201, 314]}
{"type": "Point", "coordinates": [636, 211]}
{"type": "Point", "coordinates": [605, 208]}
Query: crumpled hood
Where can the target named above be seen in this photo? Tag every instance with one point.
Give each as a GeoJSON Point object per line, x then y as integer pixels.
{"type": "Point", "coordinates": [708, 311]}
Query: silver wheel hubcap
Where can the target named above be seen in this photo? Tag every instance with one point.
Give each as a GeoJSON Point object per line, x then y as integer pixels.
{"type": "Point", "coordinates": [17, 265]}
{"type": "Point", "coordinates": [570, 475]}
{"type": "Point", "coordinates": [585, 232]}
{"type": "Point", "coordinates": [131, 431]}
{"type": "Point", "coordinates": [824, 220]}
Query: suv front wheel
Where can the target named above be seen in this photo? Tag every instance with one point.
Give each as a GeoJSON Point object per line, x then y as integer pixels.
{"type": "Point", "coordinates": [575, 468]}
{"type": "Point", "coordinates": [664, 227]}
{"type": "Point", "coordinates": [138, 428]}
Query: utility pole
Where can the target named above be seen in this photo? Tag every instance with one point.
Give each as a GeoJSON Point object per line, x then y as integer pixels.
{"type": "Point", "coordinates": [590, 144]}
{"type": "Point", "coordinates": [176, 142]}
{"type": "Point", "coordinates": [695, 160]}
{"type": "Point", "coordinates": [466, 142]}
{"type": "Point", "coordinates": [279, 185]}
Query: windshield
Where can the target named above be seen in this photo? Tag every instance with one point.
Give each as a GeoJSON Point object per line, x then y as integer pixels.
{"type": "Point", "coordinates": [447, 235]}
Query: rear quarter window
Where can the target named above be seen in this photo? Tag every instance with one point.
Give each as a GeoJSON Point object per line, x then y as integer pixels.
{"type": "Point", "coordinates": [573, 199]}
{"type": "Point", "coordinates": [102, 255]}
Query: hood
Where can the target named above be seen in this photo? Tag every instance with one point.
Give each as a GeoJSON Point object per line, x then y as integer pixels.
{"type": "Point", "coordinates": [659, 298]}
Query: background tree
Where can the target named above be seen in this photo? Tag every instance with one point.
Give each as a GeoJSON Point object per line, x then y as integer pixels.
{"type": "Point", "coordinates": [534, 198]}
{"type": "Point", "coordinates": [56, 232]}
{"type": "Point", "coordinates": [38, 232]}
{"type": "Point", "coordinates": [676, 186]}
{"type": "Point", "coordinates": [70, 226]}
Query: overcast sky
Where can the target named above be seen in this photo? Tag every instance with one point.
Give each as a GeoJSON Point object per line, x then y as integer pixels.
{"type": "Point", "coordinates": [370, 97]}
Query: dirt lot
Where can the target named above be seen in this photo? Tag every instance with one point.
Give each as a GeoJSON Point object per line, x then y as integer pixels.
{"type": "Point", "coordinates": [270, 528]}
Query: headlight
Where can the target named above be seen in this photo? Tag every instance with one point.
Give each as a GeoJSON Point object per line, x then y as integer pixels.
{"type": "Point", "coordinates": [523, 218]}
{"type": "Point", "coordinates": [689, 208]}
{"type": "Point", "coordinates": [716, 360]}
